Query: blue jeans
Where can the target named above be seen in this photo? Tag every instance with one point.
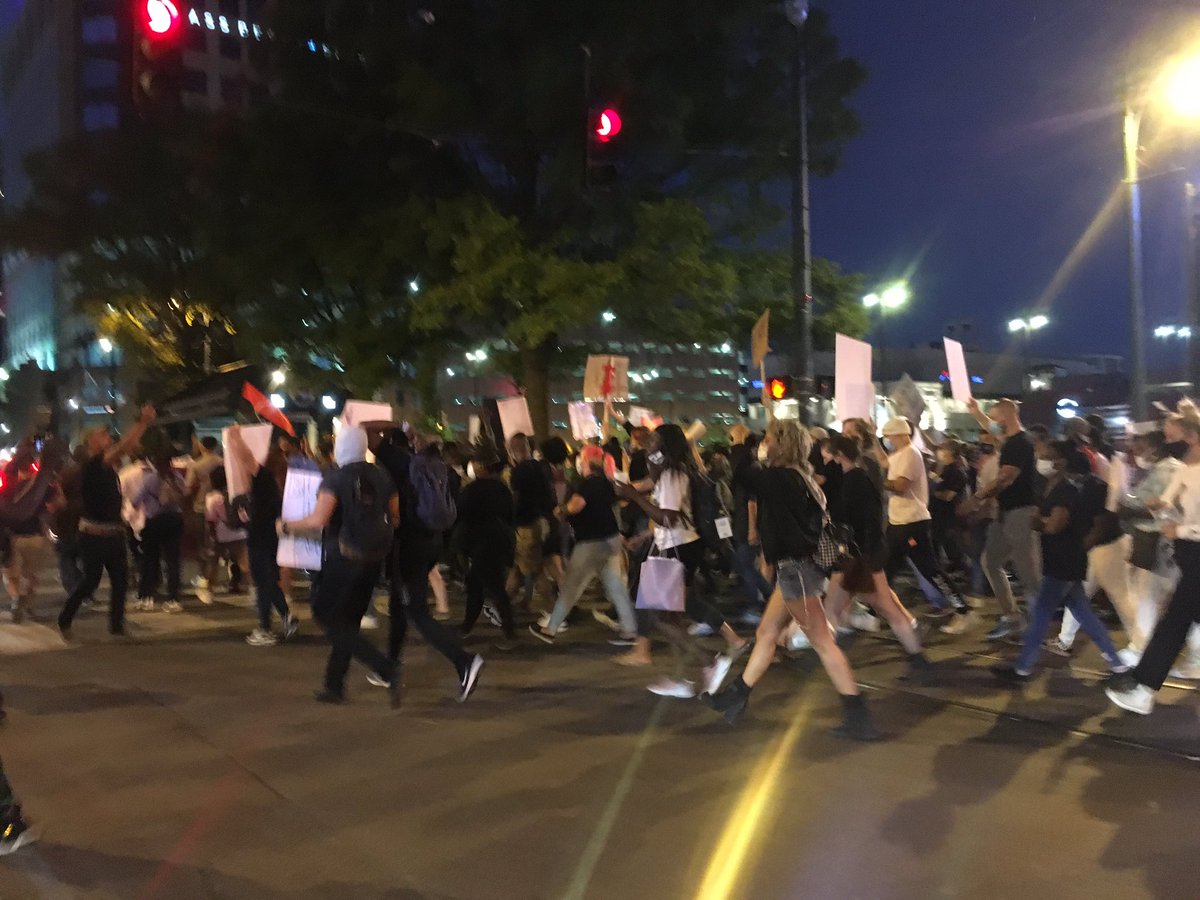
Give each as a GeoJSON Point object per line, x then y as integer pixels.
{"type": "Point", "coordinates": [753, 585]}
{"type": "Point", "coordinates": [1053, 595]}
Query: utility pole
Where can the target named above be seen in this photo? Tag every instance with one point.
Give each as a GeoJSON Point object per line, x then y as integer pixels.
{"type": "Point", "coordinates": [797, 13]}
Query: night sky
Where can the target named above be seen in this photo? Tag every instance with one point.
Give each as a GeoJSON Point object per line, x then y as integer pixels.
{"type": "Point", "coordinates": [991, 140]}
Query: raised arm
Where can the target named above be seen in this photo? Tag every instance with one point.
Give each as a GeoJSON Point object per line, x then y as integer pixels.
{"type": "Point", "coordinates": [132, 438]}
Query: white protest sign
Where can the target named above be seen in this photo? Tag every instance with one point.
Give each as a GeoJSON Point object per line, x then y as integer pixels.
{"type": "Point", "coordinates": [355, 412]}
{"type": "Point", "coordinates": [258, 439]}
{"type": "Point", "coordinates": [584, 426]}
{"type": "Point", "coordinates": [299, 500]}
{"type": "Point", "coordinates": [854, 391]}
{"type": "Point", "coordinates": [759, 340]}
{"type": "Point", "coordinates": [514, 416]}
{"type": "Point", "coordinates": [640, 417]}
{"type": "Point", "coordinates": [956, 365]}
{"type": "Point", "coordinates": [606, 377]}
{"type": "Point", "coordinates": [906, 398]}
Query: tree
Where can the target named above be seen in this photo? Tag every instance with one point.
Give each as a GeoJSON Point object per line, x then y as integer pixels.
{"type": "Point", "coordinates": [126, 212]}
{"type": "Point", "coordinates": [500, 88]}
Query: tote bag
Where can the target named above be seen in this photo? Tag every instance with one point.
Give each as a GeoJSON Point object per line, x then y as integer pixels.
{"type": "Point", "coordinates": [660, 584]}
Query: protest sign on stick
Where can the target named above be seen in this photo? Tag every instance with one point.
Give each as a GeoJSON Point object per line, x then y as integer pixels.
{"type": "Point", "coordinates": [956, 365]}
{"type": "Point", "coordinates": [258, 439]}
{"type": "Point", "coordinates": [606, 378]}
{"type": "Point", "coordinates": [854, 391]}
{"type": "Point", "coordinates": [355, 412]}
{"type": "Point", "coordinates": [584, 426]}
{"type": "Point", "coordinates": [299, 500]}
{"type": "Point", "coordinates": [514, 416]}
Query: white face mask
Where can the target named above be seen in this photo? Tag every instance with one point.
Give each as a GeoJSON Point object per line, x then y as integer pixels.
{"type": "Point", "coordinates": [762, 453]}
{"type": "Point", "coordinates": [1045, 467]}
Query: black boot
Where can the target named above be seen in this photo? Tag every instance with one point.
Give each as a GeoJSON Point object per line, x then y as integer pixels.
{"type": "Point", "coordinates": [856, 725]}
{"type": "Point", "coordinates": [920, 670]}
{"type": "Point", "coordinates": [731, 701]}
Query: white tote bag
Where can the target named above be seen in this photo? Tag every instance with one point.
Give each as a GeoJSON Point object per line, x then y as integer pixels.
{"type": "Point", "coordinates": [661, 584]}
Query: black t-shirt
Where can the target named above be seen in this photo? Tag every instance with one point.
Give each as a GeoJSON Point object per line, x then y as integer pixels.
{"type": "Point", "coordinates": [531, 493]}
{"type": "Point", "coordinates": [485, 515]}
{"type": "Point", "coordinates": [597, 521]}
{"type": "Point", "coordinates": [860, 506]}
{"type": "Point", "coordinates": [832, 473]}
{"type": "Point", "coordinates": [741, 460]}
{"type": "Point", "coordinates": [101, 491]}
{"type": "Point", "coordinates": [785, 513]}
{"type": "Point", "coordinates": [639, 466]}
{"type": "Point", "coordinates": [953, 479]}
{"type": "Point", "coordinates": [342, 484]}
{"type": "Point", "coordinates": [1063, 556]}
{"type": "Point", "coordinates": [266, 506]}
{"type": "Point", "coordinates": [1018, 452]}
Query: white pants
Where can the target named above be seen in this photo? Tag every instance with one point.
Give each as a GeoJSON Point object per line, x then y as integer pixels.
{"type": "Point", "coordinates": [1108, 569]}
{"type": "Point", "coordinates": [1153, 591]}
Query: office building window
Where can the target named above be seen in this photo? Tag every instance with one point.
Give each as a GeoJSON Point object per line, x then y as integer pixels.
{"type": "Point", "coordinates": [99, 115]}
{"type": "Point", "coordinates": [194, 81]}
{"type": "Point", "coordinates": [99, 73]}
{"type": "Point", "coordinates": [233, 91]}
{"type": "Point", "coordinates": [99, 30]}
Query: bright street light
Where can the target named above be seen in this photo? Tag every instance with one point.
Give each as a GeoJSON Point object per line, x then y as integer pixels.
{"type": "Point", "coordinates": [328, 402]}
{"type": "Point", "coordinates": [608, 316]}
{"type": "Point", "coordinates": [278, 378]}
{"type": "Point", "coordinates": [1181, 88]}
{"type": "Point", "coordinates": [895, 296]}
{"type": "Point", "coordinates": [106, 346]}
{"type": "Point", "coordinates": [3, 374]}
{"type": "Point", "coordinates": [476, 355]}
{"type": "Point", "coordinates": [1033, 323]}
{"type": "Point", "coordinates": [1183, 332]}
{"type": "Point", "coordinates": [414, 286]}
{"type": "Point", "coordinates": [871, 300]}
{"type": "Point", "coordinates": [278, 401]}
{"type": "Point", "coordinates": [1038, 322]}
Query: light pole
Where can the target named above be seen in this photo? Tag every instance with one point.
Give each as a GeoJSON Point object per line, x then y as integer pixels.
{"type": "Point", "coordinates": [890, 298]}
{"type": "Point", "coordinates": [475, 358]}
{"type": "Point", "coordinates": [797, 14]}
{"type": "Point", "coordinates": [1179, 86]}
{"type": "Point", "coordinates": [1028, 326]}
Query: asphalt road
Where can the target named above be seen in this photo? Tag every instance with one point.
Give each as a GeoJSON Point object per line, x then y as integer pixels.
{"type": "Point", "coordinates": [185, 764]}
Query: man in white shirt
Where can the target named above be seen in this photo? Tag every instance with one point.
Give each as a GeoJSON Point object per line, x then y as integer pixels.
{"type": "Point", "coordinates": [909, 532]}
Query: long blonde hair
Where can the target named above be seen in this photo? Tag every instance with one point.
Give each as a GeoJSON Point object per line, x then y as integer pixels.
{"type": "Point", "coordinates": [793, 444]}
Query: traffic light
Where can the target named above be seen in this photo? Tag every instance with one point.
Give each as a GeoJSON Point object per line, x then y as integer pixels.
{"type": "Point", "coordinates": [157, 52]}
{"type": "Point", "coordinates": [604, 127]}
{"type": "Point", "coordinates": [780, 388]}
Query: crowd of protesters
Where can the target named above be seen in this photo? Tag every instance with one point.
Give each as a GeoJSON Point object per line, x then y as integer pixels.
{"type": "Point", "coordinates": [811, 530]}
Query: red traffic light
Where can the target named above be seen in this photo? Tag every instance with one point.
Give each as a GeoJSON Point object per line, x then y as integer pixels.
{"type": "Point", "coordinates": [608, 125]}
{"type": "Point", "coordinates": [161, 17]}
{"type": "Point", "coordinates": [778, 388]}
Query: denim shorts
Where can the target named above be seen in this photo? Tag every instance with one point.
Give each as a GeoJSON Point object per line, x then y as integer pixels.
{"type": "Point", "coordinates": [799, 578]}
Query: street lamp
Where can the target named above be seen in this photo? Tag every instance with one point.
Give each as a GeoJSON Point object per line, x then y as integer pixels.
{"type": "Point", "coordinates": [475, 357]}
{"type": "Point", "coordinates": [106, 347]}
{"type": "Point", "coordinates": [1179, 87]}
{"type": "Point", "coordinates": [887, 300]}
{"type": "Point", "coordinates": [1028, 326]}
{"type": "Point", "coordinates": [797, 15]}
{"type": "Point", "coordinates": [278, 377]}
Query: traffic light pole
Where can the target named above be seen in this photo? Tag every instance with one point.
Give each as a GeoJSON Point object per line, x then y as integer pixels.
{"type": "Point", "coordinates": [797, 11]}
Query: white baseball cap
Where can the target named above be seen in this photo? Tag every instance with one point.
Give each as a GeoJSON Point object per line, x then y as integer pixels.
{"type": "Point", "coordinates": [897, 425]}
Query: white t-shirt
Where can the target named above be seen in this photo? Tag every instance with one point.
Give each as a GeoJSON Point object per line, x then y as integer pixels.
{"type": "Point", "coordinates": [913, 504]}
{"type": "Point", "coordinates": [1183, 494]}
{"type": "Point", "coordinates": [198, 478]}
{"type": "Point", "coordinates": [673, 492]}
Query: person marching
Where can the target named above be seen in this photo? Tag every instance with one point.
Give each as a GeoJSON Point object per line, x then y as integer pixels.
{"type": "Point", "coordinates": [791, 515]}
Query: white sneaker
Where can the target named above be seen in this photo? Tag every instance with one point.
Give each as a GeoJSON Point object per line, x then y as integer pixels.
{"type": "Point", "coordinates": [714, 673]}
{"type": "Point", "coordinates": [796, 638]}
{"type": "Point", "coordinates": [290, 627]}
{"type": "Point", "coordinates": [369, 622]}
{"type": "Point", "coordinates": [1188, 671]}
{"type": "Point", "coordinates": [172, 606]}
{"type": "Point", "coordinates": [1129, 656]}
{"type": "Point", "coordinates": [143, 604]}
{"type": "Point", "coordinates": [862, 620]}
{"type": "Point", "coordinates": [672, 687]}
{"type": "Point", "coordinates": [204, 595]}
{"type": "Point", "coordinates": [701, 629]}
{"type": "Point", "coordinates": [959, 624]}
{"type": "Point", "coordinates": [1138, 699]}
{"type": "Point", "coordinates": [261, 638]}
{"type": "Point", "coordinates": [374, 679]}
{"type": "Point", "coordinates": [544, 622]}
{"type": "Point", "coordinates": [1056, 646]}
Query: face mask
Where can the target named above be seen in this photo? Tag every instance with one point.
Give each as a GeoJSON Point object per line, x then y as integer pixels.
{"type": "Point", "coordinates": [762, 453]}
{"type": "Point", "coordinates": [1045, 467]}
{"type": "Point", "coordinates": [996, 428]}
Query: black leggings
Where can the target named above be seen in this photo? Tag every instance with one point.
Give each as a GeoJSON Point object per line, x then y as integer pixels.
{"type": "Point", "coordinates": [487, 575]}
{"type": "Point", "coordinates": [915, 542]}
{"type": "Point", "coordinates": [162, 539]}
{"type": "Point", "coordinates": [412, 560]}
{"type": "Point", "coordinates": [341, 602]}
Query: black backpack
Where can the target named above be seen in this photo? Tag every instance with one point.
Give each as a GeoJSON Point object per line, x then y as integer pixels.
{"type": "Point", "coordinates": [707, 505]}
{"type": "Point", "coordinates": [366, 531]}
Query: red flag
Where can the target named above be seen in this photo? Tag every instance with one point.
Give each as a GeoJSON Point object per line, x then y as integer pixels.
{"type": "Point", "coordinates": [262, 405]}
